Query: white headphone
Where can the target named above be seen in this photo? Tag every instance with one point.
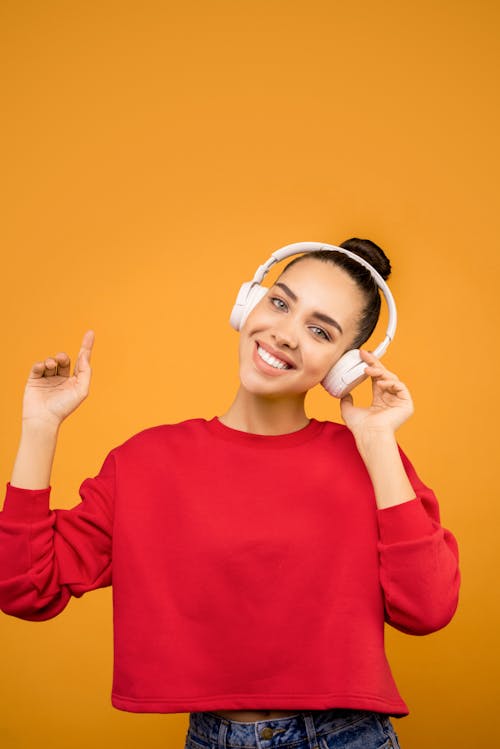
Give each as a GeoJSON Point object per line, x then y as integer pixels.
{"type": "Point", "coordinates": [349, 371]}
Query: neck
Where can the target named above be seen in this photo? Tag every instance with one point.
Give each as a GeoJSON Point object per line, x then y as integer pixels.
{"type": "Point", "coordinates": [259, 414]}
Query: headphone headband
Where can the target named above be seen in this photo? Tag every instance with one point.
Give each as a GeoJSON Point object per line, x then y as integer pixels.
{"type": "Point", "coordinates": [297, 247]}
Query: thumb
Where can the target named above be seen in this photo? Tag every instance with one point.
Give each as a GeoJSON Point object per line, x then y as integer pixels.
{"type": "Point", "coordinates": [83, 359]}
{"type": "Point", "coordinates": [346, 403]}
{"type": "Point", "coordinates": [83, 373]}
{"type": "Point", "coordinates": [83, 362]}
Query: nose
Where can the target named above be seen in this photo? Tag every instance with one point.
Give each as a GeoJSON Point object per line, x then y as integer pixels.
{"type": "Point", "coordinates": [284, 335]}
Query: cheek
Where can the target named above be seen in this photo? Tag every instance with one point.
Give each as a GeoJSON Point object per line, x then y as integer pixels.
{"type": "Point", "coordinates": [323, 362]}
{"type": "Point", "coordinates": [245, 346]}
{"type": "Point", "coordinates": [258, 316]}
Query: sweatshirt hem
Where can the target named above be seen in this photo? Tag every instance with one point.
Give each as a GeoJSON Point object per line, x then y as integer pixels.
{"type": "Point", "coordinates": [265, 701]}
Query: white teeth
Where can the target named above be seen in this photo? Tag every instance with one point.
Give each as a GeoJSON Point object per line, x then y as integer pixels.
{"type": "Point", "coordinates": [270, 359]}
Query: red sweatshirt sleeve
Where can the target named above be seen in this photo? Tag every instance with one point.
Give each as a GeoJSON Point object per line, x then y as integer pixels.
{"type": "Point", "coordinates": [419, 570]}
{"type": "Point", "coordinates": [47, 556]}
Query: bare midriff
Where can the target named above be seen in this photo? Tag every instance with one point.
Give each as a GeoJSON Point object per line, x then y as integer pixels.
{"type": "Point", "coordinates": [251, 716]}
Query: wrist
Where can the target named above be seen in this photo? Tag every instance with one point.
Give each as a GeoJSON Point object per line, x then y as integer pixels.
{"type": "Point", "coordinates": [40, 427]}
{"type": "Point", "coordinates": [380, 453]}
{"type": "Point", "coordinates": [37, 446]}
{"type": "Point", "coordinates": [372, 439]}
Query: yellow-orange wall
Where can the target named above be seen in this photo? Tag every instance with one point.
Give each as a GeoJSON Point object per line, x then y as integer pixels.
{"type": "Point", "coordinates": [154, 153]}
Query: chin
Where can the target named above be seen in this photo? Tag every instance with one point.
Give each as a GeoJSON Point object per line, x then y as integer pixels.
{"type": "Point", "coordinates": [253, 383]}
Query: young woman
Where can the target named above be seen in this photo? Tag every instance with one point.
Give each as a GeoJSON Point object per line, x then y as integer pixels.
{"type": "Point", "coordinates": [254, 556]}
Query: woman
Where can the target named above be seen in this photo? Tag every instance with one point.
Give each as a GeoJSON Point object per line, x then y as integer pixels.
{"type": "Point", "coordinates": [254, 556]}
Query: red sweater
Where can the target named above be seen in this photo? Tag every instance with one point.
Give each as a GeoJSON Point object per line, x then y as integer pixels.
{"type": "Point", "coordinates": [248, 571]}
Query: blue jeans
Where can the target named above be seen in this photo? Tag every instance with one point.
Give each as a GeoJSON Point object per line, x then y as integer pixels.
{"type": "Point", "coordinates": [308, 729]}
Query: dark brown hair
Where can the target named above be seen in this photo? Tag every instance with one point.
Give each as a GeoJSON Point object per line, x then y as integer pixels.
{"type": "Point", "coordinates": [377, 258]}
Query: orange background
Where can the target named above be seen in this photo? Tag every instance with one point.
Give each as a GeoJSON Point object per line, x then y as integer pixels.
{"type": "Point", "coordinates": [154, 154]}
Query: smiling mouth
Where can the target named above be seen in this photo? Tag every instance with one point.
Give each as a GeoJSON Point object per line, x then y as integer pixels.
{"type": "Point", "coordinates": [273, 361]}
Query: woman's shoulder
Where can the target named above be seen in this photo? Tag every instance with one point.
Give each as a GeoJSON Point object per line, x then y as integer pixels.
{"type": "Point", "coordinates": [335, 429]}
{"type": "Point", "coordinates": [159, 434]}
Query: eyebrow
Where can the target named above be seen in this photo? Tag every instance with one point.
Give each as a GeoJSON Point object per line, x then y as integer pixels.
{"type": "Point", "coordinates": [319, 315]}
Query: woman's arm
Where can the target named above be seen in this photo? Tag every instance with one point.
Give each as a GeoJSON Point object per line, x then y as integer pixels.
{"type": "Point", "coordinates": [418, 558]}
{"type": "Point", "coordinates": [50, 395]}
{"type": "Point", "coordinates": [381, 457]}
{"type": "Point", "coordinates": [35, 456]}
{"type": "Point", "coordinates": [374, 430]}
{"type": "Point", "coordinates": [48, 555]}
{"type": "Point", "coordinates": [418, 561]}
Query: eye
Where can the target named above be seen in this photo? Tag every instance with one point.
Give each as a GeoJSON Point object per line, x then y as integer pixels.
{"type": "Point", "coordinates": [277, 302]}
{"type": "Point", "coordinates": [274, 299]}
{"type": "Point", "coordinates": [325, 334]}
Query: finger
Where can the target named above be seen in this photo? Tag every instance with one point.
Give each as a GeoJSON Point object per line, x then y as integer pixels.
{"type": "Point", "coordinates": [376, 373]}
{"type": "Point", "coordinates": [50, 367]}
{"type": "Point", "coordinates": [63, 364]}
{"type": "Point", "coordinates": [345, 404]}
{"type": "Point", "coordinates": [83, 358]}
{"type": "Point", "coordinates": [393, 387]}
{"type": "Point", "coordinates": [371, 359]}
{"type": "Point", "coordinates": [385, 379]}
{"type": "Point", "coordinates": [377, 369]}
{"type": "Point", "coordinates": [382, 378]}
{"type": "Point", "coordinates": [368, 356]}
{"type": "Point", "coordinates": [37, 370]}
{"type": "Point", "coordinates": [87, 342]}
{"type": "Point", "coordinates": [373, 368]}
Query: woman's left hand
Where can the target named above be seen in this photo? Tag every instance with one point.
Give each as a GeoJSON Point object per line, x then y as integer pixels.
{"type": "Point", "coordinates": [391, 404]}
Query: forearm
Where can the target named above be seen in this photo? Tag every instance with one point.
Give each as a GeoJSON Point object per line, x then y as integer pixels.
{"type": "Point", "coordinates": [380, 454]}
{"type": "Point", "coordinates": [35, 456]}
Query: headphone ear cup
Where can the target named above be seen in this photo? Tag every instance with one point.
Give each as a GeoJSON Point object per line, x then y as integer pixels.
{"type": "Point", "coordinates": [248, 297]}
{"type": "Point", "coordinates": [348, 372]}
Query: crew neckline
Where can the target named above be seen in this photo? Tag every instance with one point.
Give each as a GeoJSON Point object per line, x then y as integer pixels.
{"type": "Point", "coordinates": [218, 429]}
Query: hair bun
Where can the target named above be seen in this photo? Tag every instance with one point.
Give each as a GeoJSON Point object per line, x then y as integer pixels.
{"type": "Point", "coordinates": [370, 252]}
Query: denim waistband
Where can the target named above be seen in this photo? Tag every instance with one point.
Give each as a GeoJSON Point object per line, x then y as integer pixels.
{"type": "Point", "coordinates": [306, 725]}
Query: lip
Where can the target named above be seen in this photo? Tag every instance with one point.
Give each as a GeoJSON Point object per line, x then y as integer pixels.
{"type": "Point", "coordinates": [265, 368]}
{"type": "Point", "coordinates": [276, 354]}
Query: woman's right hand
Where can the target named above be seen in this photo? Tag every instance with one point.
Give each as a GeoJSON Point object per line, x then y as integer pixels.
{"type": "Point", "coordinates": [51, 393]}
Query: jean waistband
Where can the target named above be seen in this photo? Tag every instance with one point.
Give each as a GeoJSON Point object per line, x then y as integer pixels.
{"type": "Point", "coordinates": [304, 726]}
